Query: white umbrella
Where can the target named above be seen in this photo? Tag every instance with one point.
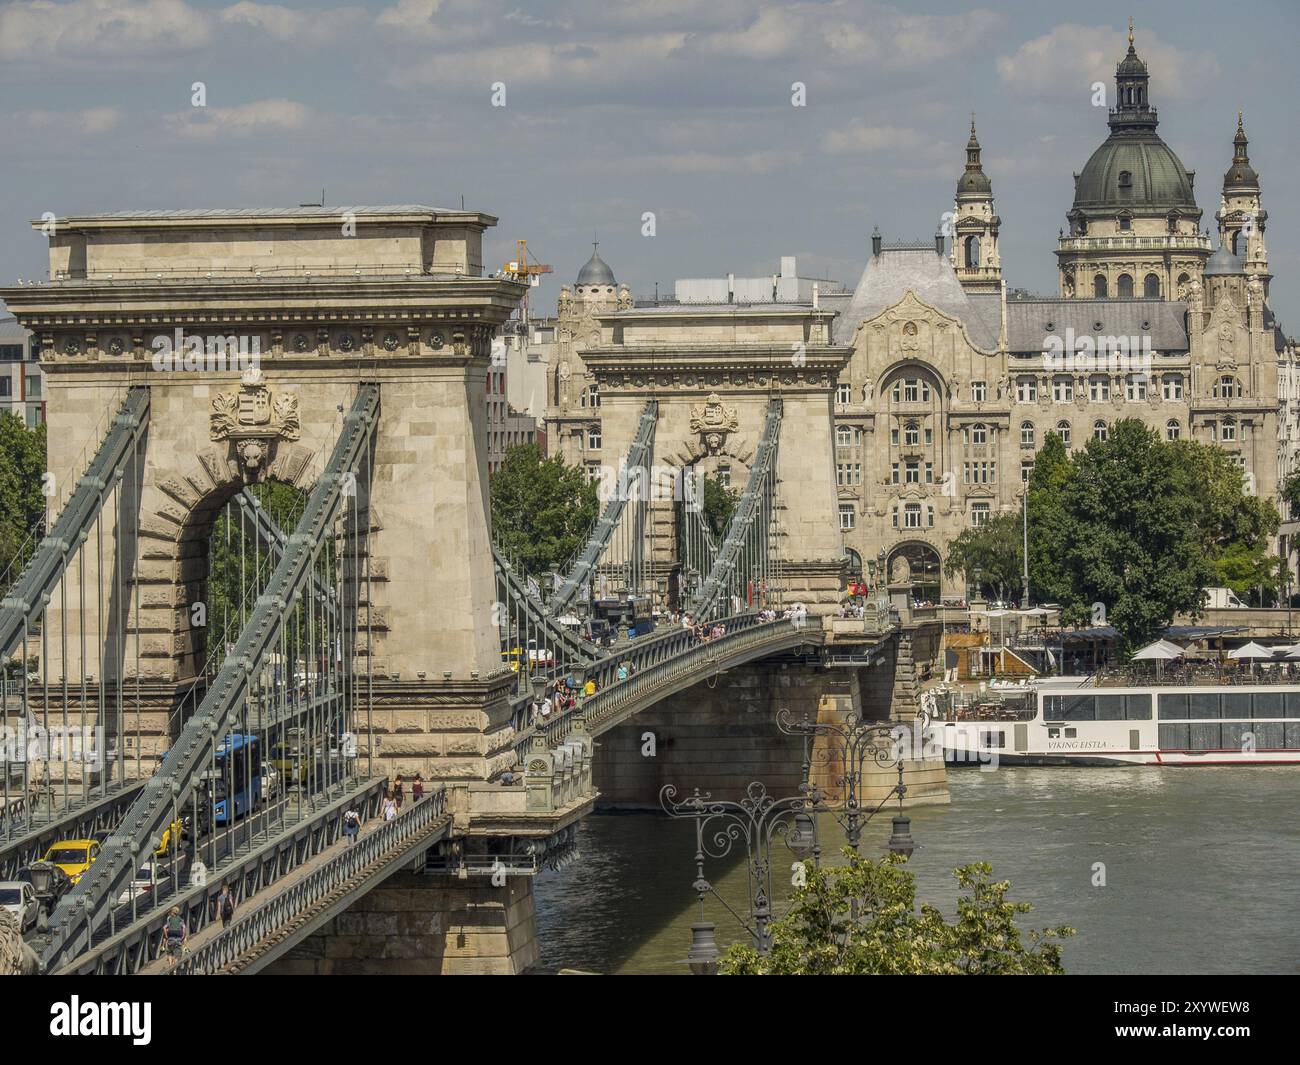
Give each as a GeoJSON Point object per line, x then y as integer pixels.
{"type": "Point", "coordinates": [1160, 651]}
{"type": "Point", "coordinates": [1291, 652]}
{"type": "Point", "coordinates": [1251, 651]}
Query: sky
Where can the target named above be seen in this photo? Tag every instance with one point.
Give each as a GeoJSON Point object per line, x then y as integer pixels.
{"type": "Point", "coordinates": [616, 108]}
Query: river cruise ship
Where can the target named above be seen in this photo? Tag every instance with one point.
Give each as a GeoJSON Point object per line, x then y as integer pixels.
{"type": "Point", "coordinates": [1077, 721]}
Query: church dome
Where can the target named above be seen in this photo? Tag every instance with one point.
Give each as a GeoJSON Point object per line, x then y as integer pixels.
{"type": "Point", "coordinates": [1137, 171]}
{"type": "Point", "coordinates": [596, 271]}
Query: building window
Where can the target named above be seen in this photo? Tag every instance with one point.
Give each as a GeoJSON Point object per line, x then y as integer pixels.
{"type": "Point", "coordinates": [893, 437]}
{"type": "Point", "coordinates": [1099, 430]}
{"type": "Point", "coordinates": [1125, 225]}
{"type": "Point", "coordinates": [1063, 431]}
{"type": "Point", "coordinates": [1026, 434]}
{"type": "Point", "coordinates": [848, 474]}
{"type": "Point", "coordinates": [1125, 289]}
{"type": "Point", "coordinates": [594, 393]}
{"type": "Point", "coordinates": [979, 391]}
{"type": "Point", "coordinates": [1229, 430]}
{"type": "Point", "coordinates": [1026, 390]}
{"type": "Point", "coordinates": [1063, 389]}
{"type": "Point", "coordinates": [911, 434]}
{"type": "Point", "coordinates": [1172, 429]}
{"type": "Point", "coordinates": [1228, 387]}
{"type": "Point", "coordinates": [912, 516]}
{"type": "Point", "coordinates": [847, 514]}
{"type": "Point", "coordinates": [1172, 387]}
{"type": "Point", "coordinates": [912, 472]}
{"type": "Point", "coordinates": [893, 473]}
{"type": "Point", "coordinates": [1099, 389]}
{"type": "Point", "coordinates": [1135, 388]}
{"type": "Point", "coordinates": [1026, 468]}
{"type": "Point", "coordinates": [929, 473]}
{"type": "Point", "coordinates": [929, 436]}
{"type": "Point", "coordinates": [724, 476]}
{"type": "Point", "coordinates": [1151, 287]}
{"type": "Point", "coordinates": [843, 436]}
{"type": "Point", "coordinates": [6, 387]}
{"type": "Point", "coordinates": [980, 514]}
{"type": "Point", "coordinates": [1099, 286]}
{"type": "Point", "coordinates": [593, 438]}
{"type": "Point", "coordinates": [1125, 176]}
{"type": "Point", "coordinates": [979, 434]}
{"type": "Point", "coordinates": [842, 394]}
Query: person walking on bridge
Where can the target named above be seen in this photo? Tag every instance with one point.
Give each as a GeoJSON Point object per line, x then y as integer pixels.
{"type": "Point", "coordinates": [226, 905]}
{"type": "Point", "coordinates": [177, 933]}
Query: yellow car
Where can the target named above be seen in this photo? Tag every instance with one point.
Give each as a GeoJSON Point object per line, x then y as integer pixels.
{"type": "Point", "coordinates": [73, 856]}
{"type": "Point", "coordinates": [171, 839]}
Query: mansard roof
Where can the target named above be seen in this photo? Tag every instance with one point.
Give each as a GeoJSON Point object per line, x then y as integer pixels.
{"type": "Point", "coordinates": [1031, 321]}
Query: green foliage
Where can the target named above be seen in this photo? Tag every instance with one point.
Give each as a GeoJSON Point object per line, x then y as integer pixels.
{"type": "Point", "coordinates": [542, 510]}
{"type": "Point", "coordinates": [1142, 526]}
{"type": "Point", "coordinates": [890, 936]}
{"type": "Point", "coordinates": [719, 505]}
{"type": "Point", "coordinates": [238, 565]}
{"type": "Point", "coordinates": [22, 503]}
{"type": "Point", "coordinates": [995, 549]}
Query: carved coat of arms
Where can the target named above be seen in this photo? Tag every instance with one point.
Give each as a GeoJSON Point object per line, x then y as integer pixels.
{"type": "Point", "coordinates": [713, 421]}
{"type": "Point", "coordinates": [253, 419]}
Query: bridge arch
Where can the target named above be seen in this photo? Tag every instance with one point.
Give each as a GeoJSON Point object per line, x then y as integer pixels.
{"type": "Point", "coordinates": [914, 566]}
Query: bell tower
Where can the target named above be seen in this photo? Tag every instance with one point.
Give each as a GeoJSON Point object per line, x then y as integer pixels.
{"type": "Point", "coordinates": [975, 254]}
{"type": "Point", "coordinates": [1241, 218]}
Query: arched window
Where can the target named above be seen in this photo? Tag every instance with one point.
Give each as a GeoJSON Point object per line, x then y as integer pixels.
{"type": "Point", "coordinates": [979, 434]}
{"type": "Point", "coordinates": [1026, 434]}
{"type": "Point", "coordinates": [1172, 429]}
{"type": "Point", "coordinates": [1125, 289]}
{"type": "Point", "coordinates": [1099, 286]}
{"type": "Point", "coordinates": [972, 251]}
{"type": "Point", "coordinates": [1151, 287]}
{"type": "Point", "coordinates": [911, 434]}
{"type": "Point", "coordinates": [1228, 387]}
{"type": "Point", "coordinates": [843, 436]}
{"type": "Point", "coordinates": [1063, 431]}
{"type": "Point", "coordinates": [1229, 429]}
{"type": "Point", "coordinates": [1099, 430]}
{"type": "Point", "coordinates": [1235, 234]}
{"type": "Point", "coordinates": [1171, 223]}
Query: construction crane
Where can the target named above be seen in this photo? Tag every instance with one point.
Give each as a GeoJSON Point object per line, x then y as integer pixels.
{"type": "Point", "coordinates": [529, 273]}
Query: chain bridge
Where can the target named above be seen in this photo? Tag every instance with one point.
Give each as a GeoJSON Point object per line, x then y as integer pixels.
{"type": "Point", "coordinates": [268, 592]}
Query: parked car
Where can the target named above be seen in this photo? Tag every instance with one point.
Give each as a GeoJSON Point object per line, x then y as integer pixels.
{"type": "Point", "coordinates": [1221, 599]}
{"type": "Point", "coordinates": [270, 782]}
{"type": "Point", "coordinates": [18, 898]}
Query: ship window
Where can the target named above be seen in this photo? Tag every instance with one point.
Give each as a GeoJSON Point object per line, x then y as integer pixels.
{"type": "Point", "coordinates": [1203, 705]}
{"type": "Point", "coordinates": [1079, 708]}
{"type": "Point", "coordinates": [1206, 737]}
{"type": "Point", "coordinates": [993, 739]}
{"type": "Point", "coordinates": [1053, 733]}
{"type": "Point", "coordinates": [1173, 737]}
{"type": "Point", "coordinates": [1172, 708]}
{"type": "Point", "coordinates": [1293, 735]}
{"type": "Point", "coordinates": [1137, 707]}
{"type": "Point", "coordinates": [1234, 736]}
{"type": "Point", "coordinates": [1268, 704]}
{"type": "Point", "coordinates": [1110, 708]}
{"type": "Point", "coordinates": [1269, 735]}
{"type": "Point", "coordinates": [1070, 733]}
{"type": "Point", "coordinates": [1292, 704]}
{"type": "Point", "coordinates": [1237, 704]}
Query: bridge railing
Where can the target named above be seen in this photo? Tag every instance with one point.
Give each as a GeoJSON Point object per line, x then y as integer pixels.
{"type": "Point", "coordinates": [278, 914]}
{"type": "Point", "coordinates": [670, 659]}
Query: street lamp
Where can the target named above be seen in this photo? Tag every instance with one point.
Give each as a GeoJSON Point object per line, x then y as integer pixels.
{"type": "Point", "coordinates": [758, 819]}
{"type": "Point", "coordinates": [851, 745]}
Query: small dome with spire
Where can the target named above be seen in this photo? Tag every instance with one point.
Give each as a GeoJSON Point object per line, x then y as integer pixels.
{"type": "Point", "coordinates": [1241, 175]}
{"type": "Point", "coordinates": [1131, 66]}
{"type": "Point", "coordinates": [596, 271]}
{"type": "Point", "coordinates": [973, 182]}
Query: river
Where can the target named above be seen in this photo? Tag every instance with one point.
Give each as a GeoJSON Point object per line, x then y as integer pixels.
{"type": "Point", "coordinates": [1201, 870]}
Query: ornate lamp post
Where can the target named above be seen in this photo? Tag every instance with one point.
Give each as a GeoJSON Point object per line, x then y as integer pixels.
{"type": "Point", "coordinates": [851, 745]}
{"type": "Point", "coordinates": [623, 594]}
{"type": "Point", "coordinates": [757, 819]}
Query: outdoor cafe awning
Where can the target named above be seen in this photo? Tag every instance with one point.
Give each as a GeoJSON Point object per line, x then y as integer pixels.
{"type": "Point", "coordinates": [1160, 651]}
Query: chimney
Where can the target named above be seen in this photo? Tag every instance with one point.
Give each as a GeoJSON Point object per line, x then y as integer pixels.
{"type": "Point", "coordinates": [875, 241]}
{"type": "Point", "coordinates": [816, 295]}
{"type": "Point", "coordinates": [938, 244]}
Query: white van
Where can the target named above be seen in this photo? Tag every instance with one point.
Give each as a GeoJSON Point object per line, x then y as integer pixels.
{"type": "Point", "coordinates": [1221, 599]}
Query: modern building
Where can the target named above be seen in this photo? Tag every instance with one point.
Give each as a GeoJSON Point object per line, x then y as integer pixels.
{"type": "Point", "coordinates": [22, 386]}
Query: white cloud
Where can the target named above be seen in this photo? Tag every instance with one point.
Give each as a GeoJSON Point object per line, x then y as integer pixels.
{"type": "Point", "coordinates": [899, 142]}
{"type": "Point", "coordinates": [310, 28]}
{"type": "Point", "coordinates": [90, 122]}
{"type": "Point", "coordinates": [246, 120]}
{"type": "Point", "coordinates": [1070, 58]}
{"type": "Point", "coordinates": [82, 29]}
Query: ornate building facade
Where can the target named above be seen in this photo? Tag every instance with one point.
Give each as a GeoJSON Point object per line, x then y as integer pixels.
{"type": "Point", "coordinates": [951, 387]}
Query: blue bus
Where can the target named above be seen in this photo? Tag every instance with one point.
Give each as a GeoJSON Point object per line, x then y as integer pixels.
{"type": "Point", "coordinates": [237, 782]}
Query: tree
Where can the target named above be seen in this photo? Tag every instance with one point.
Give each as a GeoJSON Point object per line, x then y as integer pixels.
{"type": "Point", "coordinates": [994, 548]}
{"type": "Point", "coordinates": [22, 501]}
{"type": "Point", "coordinates": [890, 936]}
{"type": "Point", "coordinates": [542, 510]}
{"type": "Point", "coordinates": [1131, 537]}
{"type": "Point", "coordinates": [719, 505]}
